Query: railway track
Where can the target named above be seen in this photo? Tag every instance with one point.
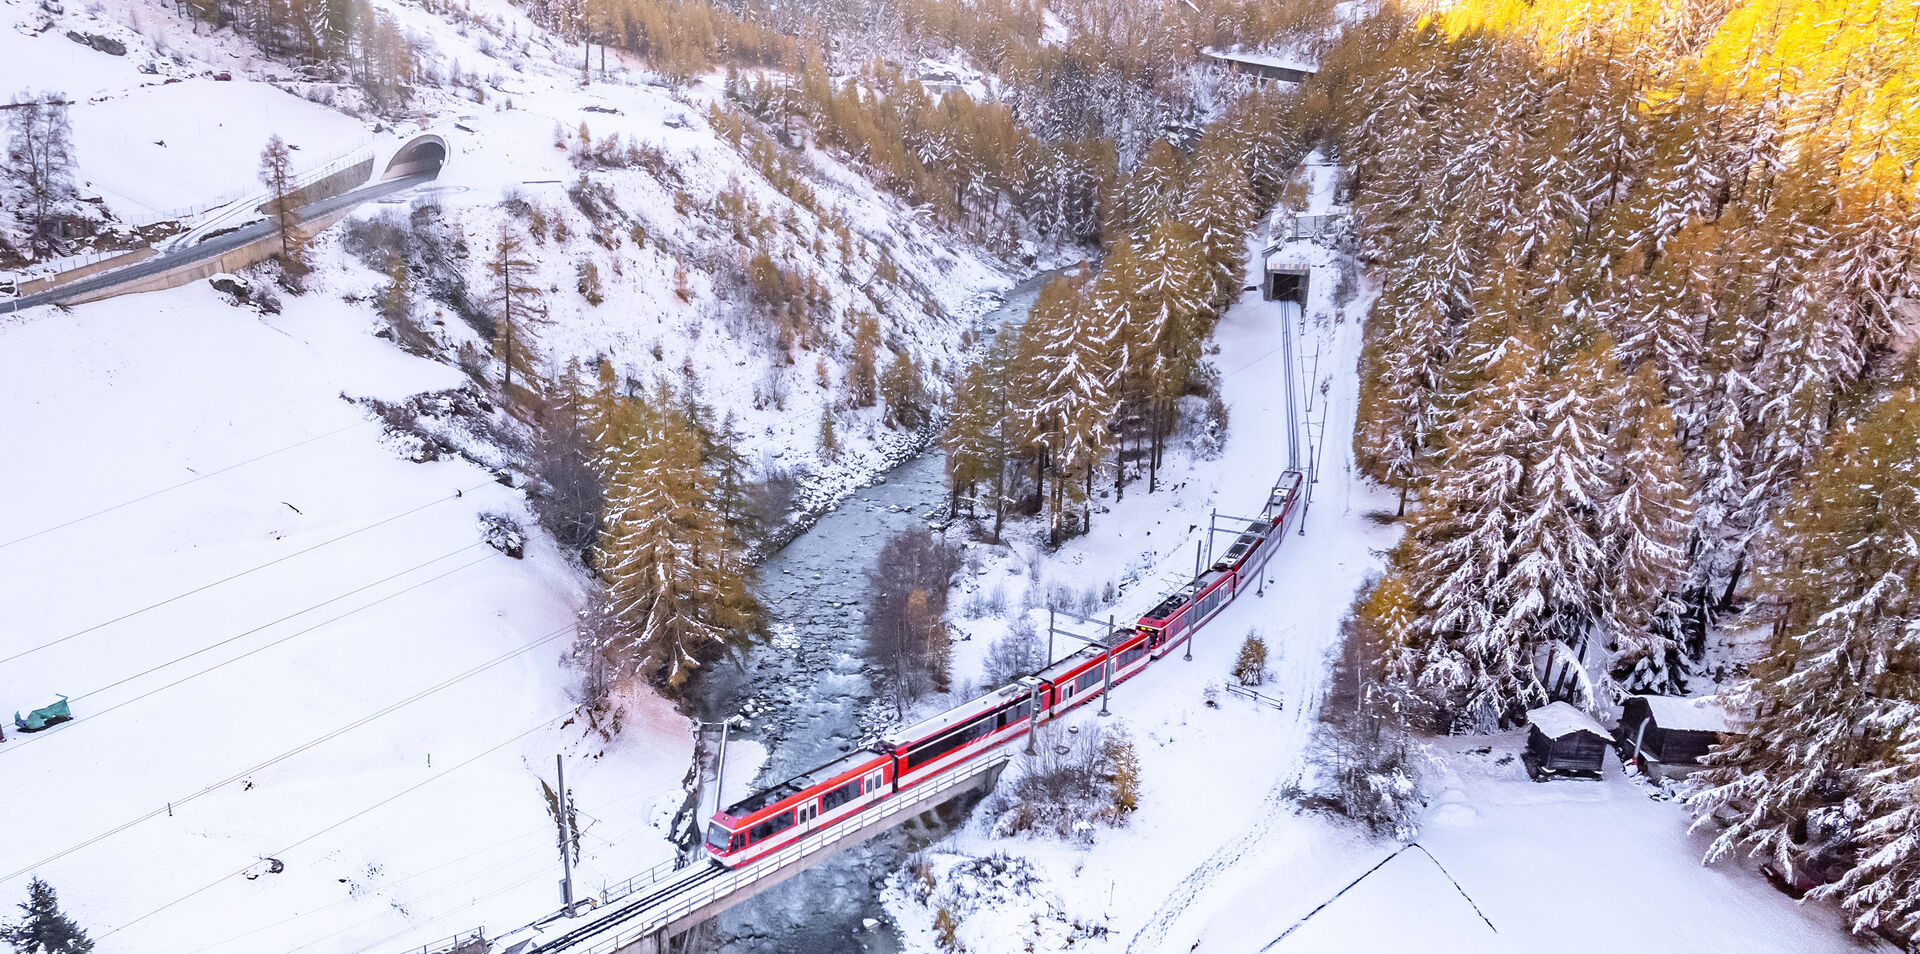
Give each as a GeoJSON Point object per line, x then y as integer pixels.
{"type": "Point", "coordinates": [694, 878]}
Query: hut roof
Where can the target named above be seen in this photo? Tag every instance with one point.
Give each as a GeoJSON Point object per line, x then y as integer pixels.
{"type": "Point", "coordinates": [1705, 714]}
{"type": "Point", "coordinates": [1557, 720]}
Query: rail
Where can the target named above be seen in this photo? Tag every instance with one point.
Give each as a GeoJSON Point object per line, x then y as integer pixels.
{"type": "Point", "coordinates": [642, 881]}
{"type": "Point", "coordinates": [703, 888]}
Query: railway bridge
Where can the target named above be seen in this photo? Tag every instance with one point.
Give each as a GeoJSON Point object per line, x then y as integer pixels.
{"type": "Point", "coordinates": [641, 916]}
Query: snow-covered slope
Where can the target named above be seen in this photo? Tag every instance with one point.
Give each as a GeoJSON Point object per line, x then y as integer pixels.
{"type": "Point", "coordinates": [313, 709]}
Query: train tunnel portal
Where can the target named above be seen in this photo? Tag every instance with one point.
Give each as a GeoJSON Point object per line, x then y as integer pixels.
{"type": "Point", "coordinates": [422, 155]}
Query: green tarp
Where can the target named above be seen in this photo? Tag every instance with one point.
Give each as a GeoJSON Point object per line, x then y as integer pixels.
{"type": "Point", "coordinates": [39, 718]}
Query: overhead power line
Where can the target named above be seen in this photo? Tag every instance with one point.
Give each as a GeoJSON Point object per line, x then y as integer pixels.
{"type": "Point", "coordinates": [250, 570]}
{"type": "Point", "coordinates": [191, 480]}
{"type": "Point", "coordinates": [356, 815]}
{"type": "Point", "coordinates": [290, 753]}
{"type": "Point", "coordinates": [91, 717]}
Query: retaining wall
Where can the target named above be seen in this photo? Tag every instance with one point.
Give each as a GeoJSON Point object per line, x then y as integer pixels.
{"type": "Point", "coordinates": [231, 260]}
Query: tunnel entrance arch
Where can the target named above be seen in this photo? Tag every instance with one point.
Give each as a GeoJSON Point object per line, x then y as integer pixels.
{"type": "Point", "coordinates": [422, 155]}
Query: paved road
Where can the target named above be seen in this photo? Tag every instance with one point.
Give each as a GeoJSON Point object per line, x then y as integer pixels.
{"type": "Point", "coordinates": [210, 248]}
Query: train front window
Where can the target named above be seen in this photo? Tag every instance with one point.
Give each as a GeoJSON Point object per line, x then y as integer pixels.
{"type": "Point", "coordinates": [718, 836]}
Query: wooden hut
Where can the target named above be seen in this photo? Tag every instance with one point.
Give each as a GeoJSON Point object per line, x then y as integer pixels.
{"type": "Point", "coordinates": [1562, 740]}
{"type": "Point", "coordinates": [1668, 735]}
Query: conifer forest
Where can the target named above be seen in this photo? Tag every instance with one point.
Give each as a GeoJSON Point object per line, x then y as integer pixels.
{"type": "Point", "coordinates": [523, 352]}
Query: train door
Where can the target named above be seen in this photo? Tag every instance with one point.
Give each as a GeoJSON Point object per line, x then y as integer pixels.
{"type": "Point", "coordinates": [808, 813]}
{"type": "Point", "coordinates": [876, 780]}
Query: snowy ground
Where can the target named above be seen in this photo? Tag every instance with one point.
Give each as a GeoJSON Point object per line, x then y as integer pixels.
{"type": "Point", "coordinates": [1219, 859]}
{"type": "Point", "coordinates": [285, 644]}
{"type": "Point", "coordinates": [288, 632]}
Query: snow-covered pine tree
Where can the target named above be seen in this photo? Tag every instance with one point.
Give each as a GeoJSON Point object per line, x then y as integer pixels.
{"type": "Point", "coordinates": [1217, 211]}
{"type": "Point", "coordinates": [863, 376]}
{"type": "Point", "coordinates": [675, 581]}
{"type": "Point", "coordinates": [1172, 298]}
{"type": "Point", "coordinates": [1555, 563]}
{"type": "Point", "coordinates": [1828, 709]}
{"type": "Point", "coordinates": [1410, 342]}
{"type": "Point", "coordinates": [1153, 191]}
{"type": "Point", "coordinates": [1663, 321]}
{"type": "Point", "coordinates": [1072, 400]}
{"type": "Point", "coordinates": [1644, 534]}
{"type": "Point", "coordinates": [964, 439]}
{"type": "Point", "coordinates": [283, 199]}
{"type": "Point", "coordinates": [1114, 316]}
{"type": "Point", "coordinates": [518, 311]}
{"type": "Point", "coordinates": [1457, 557]}
{"type": "Point", "coordinates": [42, 928]}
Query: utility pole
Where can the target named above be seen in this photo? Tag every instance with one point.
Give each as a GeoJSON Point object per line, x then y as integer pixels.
{"type": "Point", "coordinates": [1105, 642]}
{"type": "Point", "coordinates": [720, 769]}
{"type": "Point", "coordinates": [566, 831]}
{"type": "Point", "coordinates": [1107, 689]}
{"type": "Point", "coordinates": [1033, 715]}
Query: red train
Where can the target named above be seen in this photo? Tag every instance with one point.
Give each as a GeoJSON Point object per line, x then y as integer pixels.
{"type": "Point", "coordinates": [772, 818]}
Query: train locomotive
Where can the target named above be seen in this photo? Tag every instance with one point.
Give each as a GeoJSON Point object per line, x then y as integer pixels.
{"type": "Point", "coordinates": [775, 817]}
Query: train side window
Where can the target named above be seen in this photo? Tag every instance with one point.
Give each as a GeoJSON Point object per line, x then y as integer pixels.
{"type": "Point", "coordinates": [932, 750]}
{"type": "Point", "coordinates": [840, 796]}
{"type": "Point", "coordinates": [771, 827]}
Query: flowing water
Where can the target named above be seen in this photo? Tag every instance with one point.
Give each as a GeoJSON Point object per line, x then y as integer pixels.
{"type": "Point", "coordinates": [804, 697]}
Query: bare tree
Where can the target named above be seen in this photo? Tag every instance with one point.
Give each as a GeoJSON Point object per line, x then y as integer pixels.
{"type": "Point", "coordinates": [1016, 654]}
{"type": "Point", "coordinates": [570, 497]}
{"type": "Point", "coordinates": [276, 172]}
{"type": "Point", "coordinates": [519, 308]}
{"type": "Point", "coordinates": [40, 159]}
{"type": "Point", "coordinates": [906, 623]}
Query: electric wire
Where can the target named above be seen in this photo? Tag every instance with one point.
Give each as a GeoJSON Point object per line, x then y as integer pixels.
{"type": "Point", "coordinates": [519, 858]}
{"type": "Point", "coordinates": [290, 753]}
{"type": "Point", "coordinates": [267, 625]}
{"type": "Point", "coordinates": [255, 569]}
{"type": "Point", "coordinates": [192, 480]}
{"type": "Point", "coordinates": [362, 812]}
{"type": "Point", "coordinates": [291, 918]}
{"type": "Point", "coordinates": [93, 717]}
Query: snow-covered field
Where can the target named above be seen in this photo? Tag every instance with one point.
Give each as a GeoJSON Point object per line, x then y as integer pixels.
{"type": "Point", "coordinates": [270, 620]}
{"type": "Point", "coordinates": [1219, 858]}
{"type": "Point", "coordinates": [313, 709]}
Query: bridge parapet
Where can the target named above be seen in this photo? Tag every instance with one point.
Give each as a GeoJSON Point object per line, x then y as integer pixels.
{"type": "Point", "coordinates": [691, 895]}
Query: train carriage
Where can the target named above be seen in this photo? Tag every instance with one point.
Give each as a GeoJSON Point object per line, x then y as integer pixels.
{"type": "Point", "coordinates": [1189, 608]}
{"type": "Point", "coordinates": [937, 744]}
{"type": "Point", "coordinates": [1078, 678]}
{"type": "Point", "coordinates": [774, 817]}
{"type": "Point", "coordinates": [767, 820]}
